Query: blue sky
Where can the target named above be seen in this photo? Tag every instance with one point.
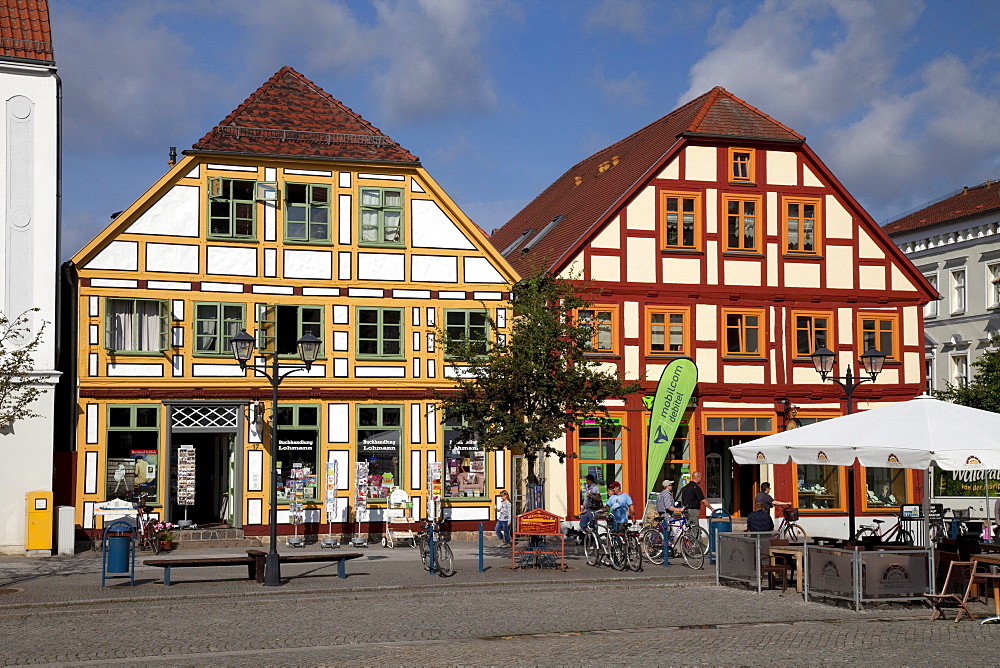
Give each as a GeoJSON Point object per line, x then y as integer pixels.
{"type": "Point", "coordinates": [900, 98]}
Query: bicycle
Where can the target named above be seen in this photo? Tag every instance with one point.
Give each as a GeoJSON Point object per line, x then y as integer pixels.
{"type": "Point", "coordinates": [147, 529]}
{"type": "Point", "coordinates": [874, 531]}
{"type": "Point", "coordinates": [938, 529]}
{"type": "Point", "coordinates": [601, 545]}
{"type": "Point", "coordinates": [684, 540]}
{"type": "Point", "coordinates": [789, 528]}
{"type": "Point", "coordinates": [444, 558]}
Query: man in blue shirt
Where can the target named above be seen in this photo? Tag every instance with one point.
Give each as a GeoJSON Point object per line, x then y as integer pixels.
{"type": "Point", "coordinates": [619, 503]}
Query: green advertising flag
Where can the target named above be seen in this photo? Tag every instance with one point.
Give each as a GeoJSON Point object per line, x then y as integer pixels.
{"type": "Point", "coordinates": [672, 395]}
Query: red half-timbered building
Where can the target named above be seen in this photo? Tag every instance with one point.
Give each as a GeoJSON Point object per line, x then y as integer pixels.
{"type": "Point", "coordinates": [716, 233]}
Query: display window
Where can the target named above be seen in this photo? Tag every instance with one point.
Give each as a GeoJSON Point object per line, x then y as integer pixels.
{"type": "Point", "coordinates": [133, 446]}
{"type": "Point", "coordinates": [298, 453]}
{"type": "Point", "coordinates": [600, 452]}
{"type": "Point", "coordinates": [884, 488]}
{"type": "Point", "coordinates": [819, 487]}
{"type": "Point", "coordinates": [966, 483]}
{"type": "Point", "coordinates": [380, 443]}
{"type": "Point", "coordinates": [465, 463]}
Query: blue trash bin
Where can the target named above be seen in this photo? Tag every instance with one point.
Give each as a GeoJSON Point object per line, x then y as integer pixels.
{"type": "Point", "coordinates": [119, 547]}
{"type": "Point", "coordinates": [720, 520]}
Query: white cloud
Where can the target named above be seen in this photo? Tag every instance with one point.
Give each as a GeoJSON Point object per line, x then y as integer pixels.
{"type": "Point", "coordinates": [630, 90]}
{"type": "Point", "coordinates": [627, 16]}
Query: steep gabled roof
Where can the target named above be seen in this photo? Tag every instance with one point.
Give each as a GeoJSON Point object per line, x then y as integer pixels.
{"type": "Point", "coordinates": [24, 30]}
{"type": "Point", "coordinates": [588, 192]}
{"type": "Point", "coordinates": [969, 202]}
{"type": "Point", "coordinates": [291, 116]}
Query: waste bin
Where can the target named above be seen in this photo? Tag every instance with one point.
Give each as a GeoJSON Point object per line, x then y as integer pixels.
{"type": "Point", "coordinates": [118, 543]}
{"type": "Point", "coordinates": [720, 520]}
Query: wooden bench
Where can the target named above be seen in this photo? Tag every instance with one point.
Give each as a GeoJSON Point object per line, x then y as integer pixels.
{"type": "Point", "coordinates": [255, 568]}
{"type": "Point", "coordinates": [340, 557]}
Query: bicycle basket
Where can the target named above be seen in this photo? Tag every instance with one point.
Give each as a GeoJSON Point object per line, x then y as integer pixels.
{"type": "Point", "coordinates": [791, 514]}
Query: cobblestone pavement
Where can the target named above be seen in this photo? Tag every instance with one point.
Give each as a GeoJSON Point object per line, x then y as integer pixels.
{"type": "Point", "coordinates": [391, 612]}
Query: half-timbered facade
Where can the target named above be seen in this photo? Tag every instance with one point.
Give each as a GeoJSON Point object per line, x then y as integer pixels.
{"type": "Point", "coordinates": [715, 233]}
{"type": "Point", "coordinates": [292, 216]}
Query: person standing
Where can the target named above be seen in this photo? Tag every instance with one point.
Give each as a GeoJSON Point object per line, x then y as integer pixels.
{"type": "Point", "coordinates": [693, 499]}
{"type": "Point", "coordinates": [764, 498]}
{"type": "Point", "coordinates": [620, 504]}
{"type": "Point", "coordinates": [503, 519]}
{"type": "Point", "coordinates": [591, 501]}
{"type": "Point", "coordinates": [665, 504]}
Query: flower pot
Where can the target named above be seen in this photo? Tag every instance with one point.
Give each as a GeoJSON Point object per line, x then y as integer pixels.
{"type": "Point", "coordinates": [166, 545]}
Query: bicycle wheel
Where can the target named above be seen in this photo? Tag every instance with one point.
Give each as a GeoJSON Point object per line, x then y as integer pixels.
{"type": "Point", "coordinates": [865, 532]}
{"type": "Point", "coordinates": [154, 544]}
{"type": "Point", "coordinates": [794, 533]}
{"type": "Point", "coordinates": [652, 546]}
{"type": "Point", "coordinates": [616, 552]}
{"type": "Point", "coordinates": [904, 537]}
{"type": "Point", "coordinates": [445, 560]}
{"type": "Point", "coordinates": [633, 553]}
{"type": "Point", "coordinates": [425, 552]}
{"type": "Point", "coordinates": [591, 548]}
{"type": "Point", "coordinates": [694, 552]}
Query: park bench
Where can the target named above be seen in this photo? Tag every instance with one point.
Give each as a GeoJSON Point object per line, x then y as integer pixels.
{"type": "Point", "coordinates": [340, 557]}
{"type": "Point", "coordinates": [255, 569]}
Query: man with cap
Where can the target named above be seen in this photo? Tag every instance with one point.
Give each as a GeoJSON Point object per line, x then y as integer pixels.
{"type": "Point", "coordinates": [591, 501]}
{"type": "Point", "coordinates": [665, 504]}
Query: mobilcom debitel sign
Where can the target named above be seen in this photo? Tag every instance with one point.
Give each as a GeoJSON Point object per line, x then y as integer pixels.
{"type": "Point", "coordinates": [672, 395]}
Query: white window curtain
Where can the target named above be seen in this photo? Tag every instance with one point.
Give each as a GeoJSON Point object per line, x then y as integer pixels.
{"type": "Point", "coordinates": [135, 324]}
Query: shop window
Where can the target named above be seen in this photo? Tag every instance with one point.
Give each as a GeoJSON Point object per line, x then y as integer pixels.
{"type": "Point", "coordinates": [801, 226]}
{"type": "Point", "coordinates": [819, 487]}
{"type": "Point", "coordinates": [281, 327]}
{"type": "Point", "coordinates": [381, 217]}
{"type": "Point", "coordinates": [741, 161]}
{"type": "Point", "coordinates": [885, 488]}
{"type": "Point", "coordinates": [133, 446]}
{"type": "Point", "coordinates": [812, 332]}
{"type": "Point", "coordinates": [231, 209]}
{"type": "Point", "coordinates": [744, 333]}
{"type": "Point", "coordinates": [380, 443]}
{"type": "Point", "coordinates": [599, 451]}
{"type": "Point", "coordinates": [879, 331]}
{"type": "Point", "coordinates": [214, 325]}
{"type": "Point", "coordinates": [738, 424]}
{"type": "Point", "coordinates": [307, 213]}
{"type": "Point", "coordinates": [742, 217]}
{"type": "Point", "coordinates": [469, 327]}
{"type": "Point", "coordinates": [298, 451]}
{"type": "Point", "coordinates": [667, 331]}
{"type": "Point", "coordinates": [601, 321]}
{"type": "Point", "coordinates": [681, 220]}
{"type": "Point", "coordinates": [931, 307]}
{"type": "Point", "coordinates": [380, 333]}
{"type": "Point", "coordinates": [136, 325]}
{"type": "Point", "coordinates": [465, 463]}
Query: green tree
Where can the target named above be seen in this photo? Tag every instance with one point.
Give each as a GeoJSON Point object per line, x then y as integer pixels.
{"type": "Point", "coordinates": [983, 389]}
{"type": "Point", "coordinates": [522, 393]}
{"type": "Point", "coordinates": [18, 385]}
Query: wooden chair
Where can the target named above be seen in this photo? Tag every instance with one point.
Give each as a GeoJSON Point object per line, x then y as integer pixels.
{"type": "Point", "coordinates": [773, 564]}
{"type": "Point", "coordinates": [949, 599]}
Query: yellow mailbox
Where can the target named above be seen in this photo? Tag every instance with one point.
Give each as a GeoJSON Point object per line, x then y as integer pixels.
{"type": "Point", "coordinates": [39, 521]}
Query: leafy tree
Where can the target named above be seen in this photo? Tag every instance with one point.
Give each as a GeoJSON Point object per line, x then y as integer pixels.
{"type": "Point", "coordinates": [18, 386]}
{"type": "Point", "coordinates": [983, 389]}
{"type": "Point", "coordinates": [522, 393]}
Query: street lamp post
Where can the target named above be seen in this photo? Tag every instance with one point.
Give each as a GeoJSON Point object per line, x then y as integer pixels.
{"type": "Point", "coordinates": [243, 345]}
{"type": "Point", "coordinates": [872, 362]}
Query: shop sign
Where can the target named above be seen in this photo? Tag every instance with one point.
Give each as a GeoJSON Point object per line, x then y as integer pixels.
{"type": "Point", "coordinates": [673, 393]}
{"type": "Point", "coordinates": [539, 522]}
{"type": "Point", "coordinates": [375, 442]}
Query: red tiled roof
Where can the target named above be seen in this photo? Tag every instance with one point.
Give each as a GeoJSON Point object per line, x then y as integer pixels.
{"type": "Point", "coordinates": [970, 202]}
{"type": "Point", "coordinates": [24, 30]}
{"type": "Point", "coordinates": [290, 115]}
{"type": "Point", "coordinates": [588, 192]}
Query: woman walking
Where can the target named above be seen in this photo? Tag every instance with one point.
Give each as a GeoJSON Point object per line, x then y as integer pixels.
{"type": "Point", "coordinates": [503, 519]}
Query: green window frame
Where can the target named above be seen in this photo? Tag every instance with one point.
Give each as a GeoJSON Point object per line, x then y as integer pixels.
{"type": "Point", "coordinates": [471, 325]}
{"type": "Point", "coordinates": [381, 217]}
{"type": "Point", "coordinates": [298, 426]}
{"type": "Point", "coordinates": [136, 325]}
{"type": "Point", "coordinates": [215, 323]}
{"type": "Point", "coordinates": [307, 213]}
{"type": "Point", "coordinates": [379, 333]}
{"type": "Point", "coordinates": [232, 209]}
{"type": "Point", "coordinates": [132, 451]}
{"type": "Point", "coordinates": [380, 442]}
{"type": "Point", "coordinates": [282, 325]}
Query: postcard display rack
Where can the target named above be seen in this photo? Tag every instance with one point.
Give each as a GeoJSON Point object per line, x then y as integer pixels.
{"type": "Point", "coordinates": [360, 502]}
{"type": "Point", "coordinates": [185, 480]}
{"type": "Point", "coordinates": [297, 483]}
{"type": "Point", "coordinates": [332, 504]}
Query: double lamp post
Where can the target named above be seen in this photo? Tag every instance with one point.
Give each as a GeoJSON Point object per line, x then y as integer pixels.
{"type": "Point", "coordinates": [243, 346]}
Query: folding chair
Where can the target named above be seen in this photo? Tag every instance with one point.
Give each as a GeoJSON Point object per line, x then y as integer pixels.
{"type": "Point", "coordinates": [949, 599]}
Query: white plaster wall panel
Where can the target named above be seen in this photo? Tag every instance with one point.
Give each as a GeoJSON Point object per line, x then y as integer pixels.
{"type": "Point", "coordinates": [457, 372]}
{"type": "Point", "coordinates": [630, 320]}
{"type": "Point", "coordinates": [845, 326]}
{"type": "Point", "coordinates": [94, 305]}
{"type": "Point", "coordinates": [486, 296]}
{"type": "Point", "coordinates": [270, 262]}
{"type": "Point", "coordinates": [113, 283]}
{"type": "Point", "coordinates": [480, 270]}
{"type": "Point", "coordinates": [178, 337]}
{"type": "Point", "coordinates": [90, 473]}
{"type": "Point", "coordinates": [338, 423]}
{"type": "Point", "coordinates": [379, 372]}
{"type": "Point", "coordinates": [740, 373]}
{"type": "Point", "coordinates": [344, 266]}
{"type": "Point", "coordinates": [178, 363]}
{"type": "Point", "coordinates": [344, 179]}
{"type": "Point", "coordinates": [889, 376]}
{"type": "Point", "coordinates": [452, 513]}
{"type": "Point", "coordinates": [321, 292]}
{"type": "Point", "coordinates": [640, 260]}
{"type": "Point", "coordinates": [641, 211]}
{"type": "Point", "coordinates": [272, 289]}
{"type": "Point", "coordinates": [701, 163]}
{"type": "Point", "coordinates": [207, 286]}
{"type": "Point", "coordinates": [231, 260]}
{"type": "Point", "coordinates": [499, 474]}
{"type": "Point", "coordinates": [415, 469]}
{"type": "Point", "coordinates": [411, 294]}
{"type": "Point", "coordinates": [806, 376]}
{"type": "Point", "coordinates": [802, 275]}
{"type": "Point", "coordinates": [94, 336]}
{"type": "Point", "coordinates": [451, 295]}
{"type": "Point", "coordinates": [194, 173]}
{"type": "Point", "coordinates": [705, 317]}
{"type": "Point", "coordinates": [672, 171]}
{"type": "Point", "coordinates": [431, 429]}
{"type": "Point", "coordinates": [867, 248]}
{"type": "Point", "coordinates": [231, 168]}
{"type": "Point", "coordinates": [739, 272]}
{"type": "Point", "coordinates": [340, 341]}
{"type": "Point", "coordinates": [366, 292]}
{"type": "Point", "coordinates": [771, 251]}
{"type": "Point", "coordinates": [430, 227]}
{"type": "Point", "coordinates": [605, 268]}
{"type": "Point", "coordinates": [117, 256]}
{"type": "Point", "coordinates": [433, 269]}
{"type": "Point", "coordinates": [415, 187]}
{"type": "Point", "coordinates": [632, 362]}
{"type": "Point", "coordinates": [771, 212]}
{"type": "Point", "coordinates": [300, 172]}
{"type": "Point", "coordinates": [135, 370]}
{"type": "Point", "coordinates": [839, 267]}
{"type": "Point", "coordinates": [381, 177]}
{"type": "Point", "coordinates": [168, 285]}
{"type": "Point", "coordinates": [317, 265]}
{"type": "Point", "coordinates": [92, 362]}
{"type": "Point", "coordinates": [900, 281]}
{"type": "Point", "coordinates": [217, 371]}
{"type": "Point", "coordinates": [92, 423]}
{"type": "Point", "coordinates": [685, 270]}
{"type": "Point", "coordinates": [416, 363]}
{"type": "Point", "coordinates": [381, 267]}
{"type": "Point", "coordinates": [809, 179]}
{"type": "Point", "coordinates": [712, 262]}
{"type": "Point", "coordinates": [270, 221]}
{"type": "Point", "coordinates": [175, 258]}
{"type": "Point", "coordinates": [344, 218]}
{"type": "Point", "coordinates": [415, 423]}
{"type": "Point", "coordinates": [574, 268]}
{"type": "Point", "coordinates": [271, 173]}
{"type": "Point", "coordinates": [839, 223]}
{"type": "Point", "coordinates": [912, 363]}
{"type": "Point", "coordinates": [255, 511]}
{"type": "Point", "coordinates": [431, 368]}
{"type": "Point", "coordinates": [610, 236]}
{"type": "Point", "coordinates": [781, 168]}
{"type": "Point", "coordinates": [711, 211]}
{"type": "Point", "coordinates": [708, 365]}
{"type": "Point", "coordinates": [340, 368]}
{"type": "Point", "coordinates": [608, 367]}
{"type": "Point", "coordinates": [341, 314]}
{"type": "Point", "coordinates": [654, 371]}
{"type": "Point", "coordinates": [871, 278]}
{"type": "Point", "coordinates": [911, 331]}
{"type": "Point", "coordinates": [175, 214]}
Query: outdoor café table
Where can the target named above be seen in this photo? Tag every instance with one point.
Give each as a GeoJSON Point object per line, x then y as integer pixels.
{"type": "Point", "coordinates": [992, 578]}
{"type": "Point", "coordinates": [792, 551]}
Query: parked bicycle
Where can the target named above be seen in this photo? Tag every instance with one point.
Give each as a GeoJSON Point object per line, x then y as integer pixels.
{"type": "Point", "coordinates": [147, 529]}
{"type": "Point", "coordinates": [789, 528]}
{"type": "Point", "coordinates": [684, 539]}
{"type": "Point", "coordinates": [601, 545]}
{"type": "Point", "coordinates": [895, 533]}
{"type": "Point", "coordinates": [444, 558]}
{"type": "Point", "coordinates": [939, 529]}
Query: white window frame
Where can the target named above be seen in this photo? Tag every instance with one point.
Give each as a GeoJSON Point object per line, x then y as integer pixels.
{"type": "Point", "coordinates": [959, 300]}
{"type": "Point", "coordinates": [929, 368]}
{"type": "Point", "coordinates": [959, 361]}
{"type": "Point", "coordinates": [931, 307]}
{"type": "Point", "coordinates": [992, 291]}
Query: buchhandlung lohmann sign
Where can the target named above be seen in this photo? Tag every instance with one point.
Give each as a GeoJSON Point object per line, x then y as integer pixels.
{"type": "Point", "coordinates": [672, 396]}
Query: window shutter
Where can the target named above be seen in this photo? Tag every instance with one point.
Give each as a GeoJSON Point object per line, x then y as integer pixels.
{"type": "Point", "coordinates": [215, 187]}
{"type": "Point", "coordinates": [268, 319]}
{"type": "Point", "coordinates": [164, 324]}
{"type": "Point", "coordinates": [109, 334]}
